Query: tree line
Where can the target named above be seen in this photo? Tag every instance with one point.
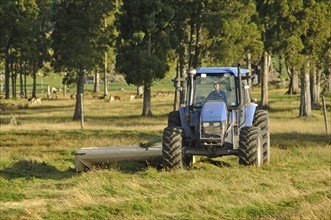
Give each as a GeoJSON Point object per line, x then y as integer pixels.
{"type": "Point", "coordinates": [141, 38]}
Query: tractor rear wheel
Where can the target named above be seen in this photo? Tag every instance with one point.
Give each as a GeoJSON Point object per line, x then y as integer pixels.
{"type": "Point", "coordinates": [172, 149]}
{"type": "Point", "coordinates": [174, 119]}
{"type": "Point", "coordinates": [261, 120]}
{"type": "Point", "coordinates": [250, 146]}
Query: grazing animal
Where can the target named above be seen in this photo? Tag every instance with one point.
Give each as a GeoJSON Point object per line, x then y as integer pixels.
{"type": "Point", "coordinates": [132, 97]}
{"type": "Point", "coordinates": [34, 100]}
{"type": "Point", "coordinates": [111, 98]}
{"type": "Point", "coordinates": [99, 97]}
{"type": "Point", "coordinates": [117, 98]}
{"type": "Point", "coordinates": [13, 121]}
{"type": "Point", "coordinates": [72, 96]}
{"type": "Point", "coordinates": [54, 91]}
{"type": "Point", "coordinates": [139, 96]}
{"type": "Point", "coordinates": [163, 94]}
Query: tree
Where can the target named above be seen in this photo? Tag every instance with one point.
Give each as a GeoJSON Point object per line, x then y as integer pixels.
{"type": "Point", "coordinates": [24, 39]}
{"type": "Point", "coordinates": [143, 44]}
{"type": "Point", "coordinates": [231, 32]}
{"type": "Point", "coordinates": [8, 15]}
{"type": "Point", "coordinates": [315, 33]}
{"type": "Point", "coordinates": [79, 26]}
{"type": "Point", "coordinates": [185, 39]}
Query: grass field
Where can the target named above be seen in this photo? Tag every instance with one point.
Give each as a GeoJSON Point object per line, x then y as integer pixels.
{"type": "Point", "coordinates": [38, 179]}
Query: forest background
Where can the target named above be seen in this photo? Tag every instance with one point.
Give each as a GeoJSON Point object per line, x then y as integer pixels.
{"type": "Point", "coordinates": [143, 39]}
{"type": "Point", "coordinates": [58, 50]}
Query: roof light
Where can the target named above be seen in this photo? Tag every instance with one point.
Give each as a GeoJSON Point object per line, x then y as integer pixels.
{"type": "Point", "coordinates": [192, 71]}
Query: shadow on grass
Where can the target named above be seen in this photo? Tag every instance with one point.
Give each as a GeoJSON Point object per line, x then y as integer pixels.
{"type": "Point", "coordinates": [294, 139]}
{"type": "Point", "coordinates": [133, 167]}
{"type": "Point", "coordinates": [32, 169]}
{"type": "Point", "coordinates": [126, 117]}
{"type": "Point", "coordinates": [216, 162]}
{"type": "Point", "coordinates": [286, 109]}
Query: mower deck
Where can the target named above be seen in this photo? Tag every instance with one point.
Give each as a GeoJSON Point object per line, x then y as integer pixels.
{"type": "Point", "coordinates": [88, 158]}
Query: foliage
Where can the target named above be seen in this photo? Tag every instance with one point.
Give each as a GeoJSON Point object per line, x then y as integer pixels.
{"type": "Point", "coordinates": [143, 40]}
{"type": "Point", "coordinates": [78, 28]}
{"type": "Point", "coordinates": [79, 39]}
{"type": "Point", "coordinates": [231, 32]}
{"type": "Point", "coordinates": [153, 35]}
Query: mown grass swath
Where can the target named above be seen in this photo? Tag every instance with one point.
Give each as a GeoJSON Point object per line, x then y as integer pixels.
{"type": "Point", "coordinates": [38, 180]}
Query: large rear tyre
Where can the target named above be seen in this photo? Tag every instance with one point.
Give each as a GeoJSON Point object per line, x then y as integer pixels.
{"type": "Point", "coordinates": [172, 149]}
{"type": "Point", "coordinates": [261, 120]}
{"type": "Point", "coordinates": [174, 119]}
{"type": "Point", "coordinates": [250, 147]}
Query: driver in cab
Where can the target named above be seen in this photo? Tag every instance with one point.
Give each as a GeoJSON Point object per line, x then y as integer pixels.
{"type": "Point", "coordinates": [217, 93]}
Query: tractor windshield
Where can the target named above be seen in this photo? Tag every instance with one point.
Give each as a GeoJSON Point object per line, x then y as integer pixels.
{"type": "Point", "coordinates": [209, 87]}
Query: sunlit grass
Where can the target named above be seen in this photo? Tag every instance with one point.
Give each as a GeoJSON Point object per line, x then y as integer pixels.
{"type": "Point", "coordinates": [38, 180]}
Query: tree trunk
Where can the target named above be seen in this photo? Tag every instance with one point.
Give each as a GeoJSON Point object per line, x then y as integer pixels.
{"type": "Point", "coordinates": [49, 92]}
{"type": "Point", "coordinates": [265, 79]}
{"type": "Point", "coordinates": [190, 44]}
{"type": "Point", "coordinates": [96, 81]}
{"type": "Point", "coordinates": [294, 80]}
{"type": "Point", "coordinates": [7, 74]}
{"type": "Point", "coordinates": [34, 76]}
{"type": "Point", "coordinates": [140, 91]}
{"type": "Point", "coordinates": [305, 99]}
{"type": "Point", "coordinates": [314, 91]}
{"type": "Point", "coordinates": [25, 90]}
{"type": "Point", "coordinates": [64, 87]}
{"type": "Point", "coordinates": [327, 83]}
{"type": "Point", "coordinates": [80, 90]}
{"type": "Point", "coordinates": [176, 101]}
{"type": "Point", "coordinates": [21, 79]}
{"type": "Point", "coordinates": [196, 62]}
{"type": "Point", "coordinates": [183, 75]}
{"type": "Point", "coordinates": [270, 66]}
{"type": "Point", "coordinates": [280, 66]}
{"type": "Point", "coordinates": [147, 102]}
{"type": "Point", "coordinates": [105, 76]}
{"type": "Point", "coordinates": [318, 86]}
{"type": "Point", "coordinates": [249, 67]}
{"type": "Point", "coordinates": [13, 78]}
{"type": "Point", "coordinates": [13, 83]}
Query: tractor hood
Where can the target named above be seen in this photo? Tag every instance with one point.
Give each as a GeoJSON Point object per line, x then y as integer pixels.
{"type": "Point", "coordinates": [213, 111]}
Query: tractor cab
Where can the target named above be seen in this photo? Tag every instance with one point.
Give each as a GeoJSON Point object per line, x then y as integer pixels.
{"type": "Point", "coordinates": [215, 105]}
{"type": "Point", "coordinates": [218, 119]}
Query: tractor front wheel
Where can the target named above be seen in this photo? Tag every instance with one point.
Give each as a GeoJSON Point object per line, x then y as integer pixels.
{"type": "Point", "coordinates": [172, 149]}
{"type": "Point", "coordinates": [250, 146]}
{"type": "Point", "coordinates": [261, 120]}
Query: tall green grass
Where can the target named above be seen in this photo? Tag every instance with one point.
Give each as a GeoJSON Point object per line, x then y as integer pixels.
{"type": "Point", "coordinates": [38, 179]}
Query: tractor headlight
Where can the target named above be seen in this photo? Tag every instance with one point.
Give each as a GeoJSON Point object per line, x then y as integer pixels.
{"type": "Point", "coordinates": [217, 124]}
{"type": "Point", "coordinates": [213, 129]}
{"type": "Point", "coordinates": [205, 124]}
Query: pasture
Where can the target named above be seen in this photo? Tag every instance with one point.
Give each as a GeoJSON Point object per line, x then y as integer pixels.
{"type": "Point", "coordinates": [38, 179]}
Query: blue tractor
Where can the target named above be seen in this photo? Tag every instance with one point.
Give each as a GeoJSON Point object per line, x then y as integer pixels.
{"type": "Point", "coordinates": [218, 118]}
